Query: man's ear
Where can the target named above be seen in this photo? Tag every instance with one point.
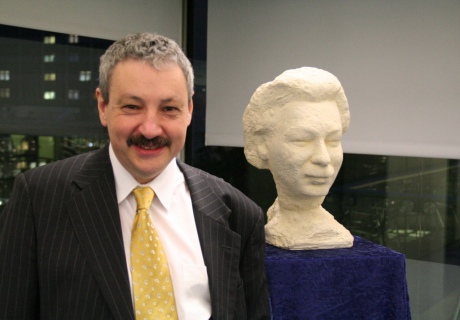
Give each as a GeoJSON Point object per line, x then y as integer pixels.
{"type": "Point", "coordinates": [190, 111]}
{"type": "Point", "coordinates": [102, 107]}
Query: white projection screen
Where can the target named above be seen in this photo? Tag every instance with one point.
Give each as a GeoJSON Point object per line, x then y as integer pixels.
{"type": "Point", "coordinates": [399, 62]}
{"type": "Point", "coordinates": [105, 19]}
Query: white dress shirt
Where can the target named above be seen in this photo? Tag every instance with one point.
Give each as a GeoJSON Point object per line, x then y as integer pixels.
{"type": "Point", "coordinates": [171, 212]}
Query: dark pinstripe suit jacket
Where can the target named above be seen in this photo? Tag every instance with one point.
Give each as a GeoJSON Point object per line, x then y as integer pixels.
{"type": "Point", "coordinates": [62, 253]}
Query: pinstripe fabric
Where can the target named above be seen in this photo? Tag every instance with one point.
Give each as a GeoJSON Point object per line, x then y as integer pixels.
{"type": "Point", "coordinates": [231, 232]}
{"type": "Point", "coordinates": [62, 253]}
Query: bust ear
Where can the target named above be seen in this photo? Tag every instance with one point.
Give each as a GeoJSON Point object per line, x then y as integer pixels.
{"type": "Point", "coordinates": [257, 154]}
{"type": "Point", "coordinates": [262, 152]}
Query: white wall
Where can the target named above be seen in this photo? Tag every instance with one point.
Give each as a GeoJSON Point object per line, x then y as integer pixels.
{"type": "Point", "coordinates": [105, 19]}
{"type": "Point", "coordinates": [397, 60]}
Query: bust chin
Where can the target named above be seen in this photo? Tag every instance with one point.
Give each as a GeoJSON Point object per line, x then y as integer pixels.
{"type": "Point", "coordinates": [309, 230]}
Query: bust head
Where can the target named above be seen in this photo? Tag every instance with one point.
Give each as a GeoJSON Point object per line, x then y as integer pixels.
{"type": "Point", "coordinates": [293, 126]}
{"type": "Point", "coordinates": [298, 117]}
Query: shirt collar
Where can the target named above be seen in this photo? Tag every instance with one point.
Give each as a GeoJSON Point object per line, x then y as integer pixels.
{"type": "Point", "coordinates": [164, 185]}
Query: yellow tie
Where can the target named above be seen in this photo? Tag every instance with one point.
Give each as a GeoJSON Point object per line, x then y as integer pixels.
{"type": "Point", "coordinates": [152, 284]}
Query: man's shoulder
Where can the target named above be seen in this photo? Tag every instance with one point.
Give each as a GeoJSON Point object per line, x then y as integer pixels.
{"type": "Point", "coordinates": [197, 178]}
{"type": "Point", "coordinates": [191, 172]}
{"type": "Point", "coordinates": [194, 176]}
{"type": "Point", "coordinates": [67, 166]}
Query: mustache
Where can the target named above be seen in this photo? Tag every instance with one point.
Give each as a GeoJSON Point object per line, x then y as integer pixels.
{"type": "Point", "coordinates": [153, 143]}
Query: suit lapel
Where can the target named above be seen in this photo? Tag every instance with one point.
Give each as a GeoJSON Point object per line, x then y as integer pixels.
{"type": "Point", "coordinates": [219, 244]}
{"type": "Point", "coordinates": [94, 213]}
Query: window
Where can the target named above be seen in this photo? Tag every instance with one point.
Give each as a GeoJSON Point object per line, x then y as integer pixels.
{"type": "Point", "coordinates": [85, 75]}
{"type": "Point", "coordinates": [49, 40]}
{"type": "Point", "coordinates": [32, 106]}
{"type": "Point", "coordinates": [4, 75]}
{"type": "Point", "coordinates": [49, 58]}
{"type": "Point", "coordinates": [49, 95]}
{"type": "Point", "coordinates": [73, 57]}
{"type": "Point", "coordinates": [73, 94]}
{"type": "Point", "coordinates": [4, 93]}
{"type": "Point", "coordinates": [50, 77]}
{"type": "Point", "coordinates": [73, 38]}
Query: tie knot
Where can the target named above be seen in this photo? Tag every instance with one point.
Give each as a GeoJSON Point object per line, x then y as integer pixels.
{"type": "Point", "coordinates": [144, 197]}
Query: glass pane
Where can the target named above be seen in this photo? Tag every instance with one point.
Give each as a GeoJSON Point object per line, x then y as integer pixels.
{"type": "Point", "coordinates": [408, 204]}
{"type": "Point", "coordinates": [46, 112]}
{"type": "Point", "coordinates": [41, 68]}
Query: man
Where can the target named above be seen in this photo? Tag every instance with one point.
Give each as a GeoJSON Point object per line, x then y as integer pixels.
{"type": "Point", "coordinates": [65, 234]}
{"type": "Point", "coordinates": [293, 127]}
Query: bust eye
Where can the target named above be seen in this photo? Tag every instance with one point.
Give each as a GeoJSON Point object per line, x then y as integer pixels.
{"type": "Point", "coordinates": [333, 143]}
{"type": "Point", "coordinates": [301, 142]}
{"type": "Point", "coordinates": [299, 138]}
{"type": "Point", "coordinates": [334, 139]}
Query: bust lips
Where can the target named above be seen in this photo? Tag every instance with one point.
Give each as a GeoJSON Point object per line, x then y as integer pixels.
{"type": "Point", "coordinates": [319, 180]}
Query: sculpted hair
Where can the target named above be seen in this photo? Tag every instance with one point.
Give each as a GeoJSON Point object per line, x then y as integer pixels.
{"type": "Point", "coordinates": [302, 84]}
{"type": "Point", "coordinates": [150, 48]}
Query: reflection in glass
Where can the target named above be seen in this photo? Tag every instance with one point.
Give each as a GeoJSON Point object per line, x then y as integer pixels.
{"type": "Point", "coordinates": [48, 111]}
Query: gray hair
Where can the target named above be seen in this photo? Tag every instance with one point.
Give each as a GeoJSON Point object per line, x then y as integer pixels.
{"type": "Point", "coordinates": [302, 84]}
{"type": "Point", "coordinates": [152, 48]}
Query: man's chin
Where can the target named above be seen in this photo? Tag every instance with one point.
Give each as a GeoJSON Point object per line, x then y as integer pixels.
{"type": "Point", "coordinates": [145, 170]}
{"type": "Point", "coordinates": [145, 177]}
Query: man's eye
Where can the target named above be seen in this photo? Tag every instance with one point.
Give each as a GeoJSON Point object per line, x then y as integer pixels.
{"type": "Point", "coordinates": [170, 109]}
{"type": "Point", "coordinates": [131, 107]}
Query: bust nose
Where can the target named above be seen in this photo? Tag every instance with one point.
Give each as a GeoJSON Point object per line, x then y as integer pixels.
{"type": "Point", "coordinates": [321, 155]}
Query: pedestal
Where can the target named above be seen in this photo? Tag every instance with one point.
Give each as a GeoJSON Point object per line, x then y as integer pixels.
{"type": "Point", "coordinates": [367, 281]}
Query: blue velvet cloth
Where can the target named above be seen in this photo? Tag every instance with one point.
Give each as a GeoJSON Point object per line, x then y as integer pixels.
{"type": "Point", "coordinates": [367, 281]}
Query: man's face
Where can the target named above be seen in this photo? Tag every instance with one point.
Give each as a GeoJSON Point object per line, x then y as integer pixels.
{"type": "Point", "coordinates": [305, 151]}
{"type": "Point", "coordinates": [147, 116]}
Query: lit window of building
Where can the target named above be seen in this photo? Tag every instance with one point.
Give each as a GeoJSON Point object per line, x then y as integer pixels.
{"type": "Point", "coordinates": [73, 38]}
{"type": "Point", "coordinates": [49, 40]}
{"type": "Point", "coordinates": [4, 75]}
{"type": "Point", "coordinates": [85, 75]}
{"type": "Point", "coordinates": [50, 77]}
{"type": "Point", "coordinates": [48, 58]}
{"type": "Point", "coordinates": [5, 93]}
{"type": "Point", "coordinates": [73, 95]}
{"type": "Point", "coordinates": [49, 95]}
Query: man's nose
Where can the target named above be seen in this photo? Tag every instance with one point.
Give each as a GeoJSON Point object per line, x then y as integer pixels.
{"type": "Point", "coordinates": [150, 125]}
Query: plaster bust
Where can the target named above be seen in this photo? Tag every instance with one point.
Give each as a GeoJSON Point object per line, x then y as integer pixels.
{"type": "Point", "coordinates": [293, 126]}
